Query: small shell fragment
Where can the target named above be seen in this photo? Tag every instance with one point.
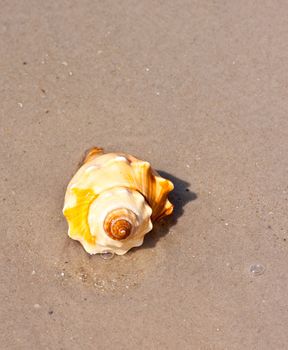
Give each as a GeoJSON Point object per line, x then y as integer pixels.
{"type": "Point", "coordinates": [112, 200]}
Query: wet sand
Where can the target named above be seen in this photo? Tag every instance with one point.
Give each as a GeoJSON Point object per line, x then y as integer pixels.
{"type": "Point", "coordinates": [198, 88]}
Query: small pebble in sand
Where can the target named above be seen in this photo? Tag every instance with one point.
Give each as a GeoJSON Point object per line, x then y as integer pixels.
{"type": "Point", "coordinates": [257, 269]}
{"type": "Point", "coordinates": [157, 93]}
{"type": "Point", "coordinates": [226, 224]}
{"type": "Point", "coordinates": [65, 63]}
{"type": "Point", "coordinates": [147, 69]}
{"type": "Point", "coordinates": [187, 166]}
{"type": "Point", "coordinates": [33, 272]}
{"type": "Point", "coordinates": [62, 274]}
{"type": "Point", "coordinates": [70, 73]}
{"type": "Point", "coordinates": [20, 104]}
{"type": "Point", "coordinates": [37, 306]}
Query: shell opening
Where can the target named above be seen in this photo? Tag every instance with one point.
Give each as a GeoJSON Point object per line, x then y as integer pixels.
{"type": "Point", "coordinates": [120, 224]}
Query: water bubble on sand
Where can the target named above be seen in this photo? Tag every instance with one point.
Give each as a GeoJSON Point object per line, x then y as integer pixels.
{"type": "Point", "coordinates": [257, 269]}
{"type": "Point", "coordinates": [107, 255]}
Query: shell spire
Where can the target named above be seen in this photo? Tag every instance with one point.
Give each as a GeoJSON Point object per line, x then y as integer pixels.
{"type": "Point", "coordinates": [112, 200]}
{"type": "Point", "coordinates": [120, 223]}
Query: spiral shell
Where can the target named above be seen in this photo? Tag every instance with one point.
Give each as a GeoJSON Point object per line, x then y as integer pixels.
{"type": "Point", "coordinates": [112, 200]}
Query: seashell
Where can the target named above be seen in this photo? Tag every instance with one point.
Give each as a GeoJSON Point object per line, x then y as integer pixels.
{"type": "Point", "coordinates": [112, 200]}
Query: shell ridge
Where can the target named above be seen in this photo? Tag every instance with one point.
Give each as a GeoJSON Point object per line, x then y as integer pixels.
{"type": "Point", "coordinates": [154, 188]}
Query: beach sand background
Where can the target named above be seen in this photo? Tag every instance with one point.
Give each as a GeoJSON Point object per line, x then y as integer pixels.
{"type": "Point", "coordinates": [199, 89]}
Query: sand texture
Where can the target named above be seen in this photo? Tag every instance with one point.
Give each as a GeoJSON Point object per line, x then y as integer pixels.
{"type": "Point", "coordinates": [200, 90]}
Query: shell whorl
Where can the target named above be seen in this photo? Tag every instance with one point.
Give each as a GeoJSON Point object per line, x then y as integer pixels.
{"type": "Point", "coordinates": [120, 223]}
{"type": "Point", "coordinates": [112, 201]}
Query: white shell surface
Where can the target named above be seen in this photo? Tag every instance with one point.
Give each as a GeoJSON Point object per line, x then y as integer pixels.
{"type": "Point", "coordinates": [107, 201]}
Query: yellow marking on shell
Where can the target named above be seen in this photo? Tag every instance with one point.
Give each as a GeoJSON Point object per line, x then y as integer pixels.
{"type": "Point", "coordinates": [154, 187]}
{"type": "Point", "coordinates": [77, 216]}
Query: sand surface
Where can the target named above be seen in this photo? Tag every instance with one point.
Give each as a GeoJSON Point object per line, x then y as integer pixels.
{"type": "Point", "coordinates": [198, 88]}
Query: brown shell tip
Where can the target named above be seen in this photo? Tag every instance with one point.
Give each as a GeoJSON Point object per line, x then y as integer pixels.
{"type": "Point", "coordinates": [91, 153]}
{"type": "Point", "coordinates": [119, 224]}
